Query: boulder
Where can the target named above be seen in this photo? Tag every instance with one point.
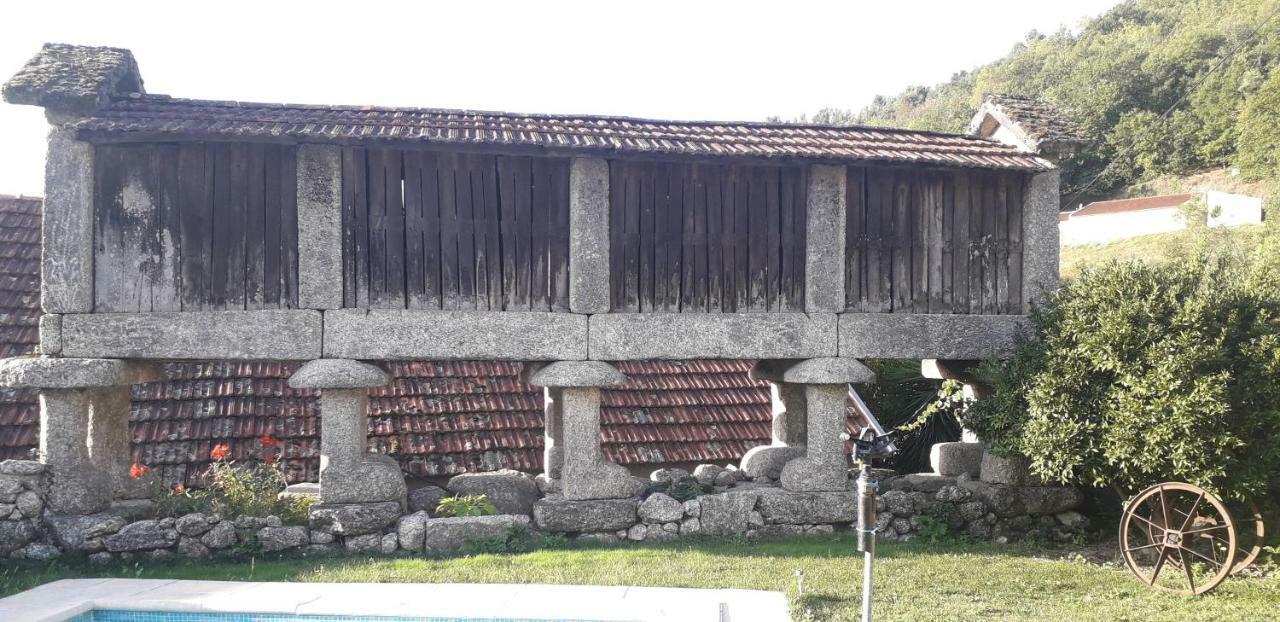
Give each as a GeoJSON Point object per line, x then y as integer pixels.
{"type": "Point", "coordinates": [364, 543]}
{"type": "Point", "coordinates": [29, 504]}
{"type": "Point", "coordinates": [194, 524]}
{"type": "Point", "coordinates": [1051, 499]}
{"type": "Point", "coordinates": [83, 533]}
{"type": "Point", "coordinates": [918, 482]}
{"type": "Point", "coordinates": [898, 503]}
{"type": "Point", "coordinates": [133, 509]}
{"type": "Point", "coordinates": [273, 539]}
{"type": "Point", "coordinates": [706, 474]}
{"type": "Point", "coordinates": [953, 494]}
{"type": "Point", "coordinates": [667, 475]}
{"type": "Point", "coordinates": [693, 508]}
{"type": "Point", "coordinates": [801, 508]}
{"type": "Point", "coordinates": [661, 508]}
{"type": "Point", "coordinates": [1072, 519]}
{"type": "Point", "coordinates": [189, 546]}
{"type": "Point", "coordinates": [390, 542]}
{"type": "Point", "coordinates": [444, 535]}
{"type": "Point", "coordinates": [426, 498]}
{"type": "Point", "coordinates": [690, 527]}
{"type": "Point", "coordinates": [220, 536]}
{"type": "Point", "coordinates": [410, 530]}
{"type": "Point", "coordinates": [511, 492]}
{"type": "Point", "coordinates": [21, 467]}
{"type": "Point", "coordinates": [42, 552]}
{"type": "Point", "coordinates": [638, 532]}
{"type": "Point", "coordinates": [354, 519]}
{"type": "Point", "coordinates": [15, 534]}
{"type": "Point", "coordinates": [1011, 471]}
{"type": "Point", "coordinates": [142, 536]}
{"type": "Point", "coordinates": [564, 515]}
{"type": "Point", "coordinates": [767, 461]}
{"type": "Point", "coordinates": [726, 514]}
{"type": "Point", "coordinates": [971, 511]}
{"type": "Point", "coordinates": [956, 459]}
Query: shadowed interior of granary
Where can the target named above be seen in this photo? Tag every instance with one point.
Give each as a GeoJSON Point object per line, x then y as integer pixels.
{"type": "Point", "coordinates": [580, 260]}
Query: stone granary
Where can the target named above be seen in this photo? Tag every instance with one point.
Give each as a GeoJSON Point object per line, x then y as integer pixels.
{"type": "Point", "coordinates": [179, 229]}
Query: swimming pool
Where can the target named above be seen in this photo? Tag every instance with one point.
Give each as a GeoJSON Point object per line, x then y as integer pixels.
{"type": "Point", "coordinates": [121, 615]}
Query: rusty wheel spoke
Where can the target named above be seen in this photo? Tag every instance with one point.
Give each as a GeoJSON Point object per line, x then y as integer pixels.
{"type": "Point", "coordinates": [1155, 573]}
{"type": "Point", "coordinates": [1191, 573]}
{"type": "Point", "coordinates": [1145, 546]}
{"type": "Point", "coordinates": [1191, 514]}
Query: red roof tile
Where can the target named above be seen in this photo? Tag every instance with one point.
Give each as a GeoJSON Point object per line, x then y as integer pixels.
{"type": "Point", "coordinates": [1131, 205]}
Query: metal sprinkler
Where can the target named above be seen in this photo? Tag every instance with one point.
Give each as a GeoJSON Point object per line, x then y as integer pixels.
{"type": "Point", "coordinates": [872, 443]}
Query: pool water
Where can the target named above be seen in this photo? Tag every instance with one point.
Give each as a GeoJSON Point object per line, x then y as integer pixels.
{"type": "Point", "coordinates": [114, 615]}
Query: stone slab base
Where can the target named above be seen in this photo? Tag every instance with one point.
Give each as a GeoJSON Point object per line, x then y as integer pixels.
{"type": "Point", "coordinates": [955, 459]}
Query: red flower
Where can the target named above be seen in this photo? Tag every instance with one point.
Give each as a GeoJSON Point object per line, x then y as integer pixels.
{"type": "Point", "coordinates": [138, 470]}
{"type": "Point", "coordinates": [268, 441]}
{"type": "Point", "coordinates": [179, 489]}
{"type": "Point", "coordinates": [219, 452]}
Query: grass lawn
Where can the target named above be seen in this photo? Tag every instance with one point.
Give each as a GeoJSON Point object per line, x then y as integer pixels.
{"type": "Point", "coordinates": [914, 581]}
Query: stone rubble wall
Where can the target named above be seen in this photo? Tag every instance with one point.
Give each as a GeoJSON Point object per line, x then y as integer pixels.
{"type": "Point", "coordinates": [737, 507]}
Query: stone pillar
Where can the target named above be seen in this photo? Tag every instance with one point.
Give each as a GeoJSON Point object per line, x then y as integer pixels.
{"type": "Point", "coordinates": [1041, 201]}
{"type": "Point", "coordinates": [552, 435]}
{"type": "Point", "coordinates": [573, 390]}
{"type": "Point", "coordinates": [84, 425]}
{"type": "Point", "coordinates": [824, 253]}
{"type": "Point", "coordinates": [66, 268]}
{"type": "Point", "coordinates": [589, 236]}
{"type": "Point", "coordinates": [348, 472]}
{"type": "Point", "coordinates": [319, 227]}
{"type": "Point", "coordinates": [825, 385]}
{"type": "Point", "coordinates": [790, 431]}
{"type": "Point", "coordinates": [964, 457]}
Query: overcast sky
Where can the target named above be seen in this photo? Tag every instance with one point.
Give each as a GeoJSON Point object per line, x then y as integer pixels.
{"type": "Point", "coordinates": [682, 60]}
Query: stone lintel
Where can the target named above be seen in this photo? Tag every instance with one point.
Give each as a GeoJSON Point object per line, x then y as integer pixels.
{"type": "Point", "coordinates": [66, 260]}
{"type": "Point", "coordinates": [923, 336]}
{"type": "Point", "coordinates": [74, 373]}
{"type": "Point", "coordinates": [338, 374]}
{"type": "Point", "coordinates": [637, 336]}
{"type": "Point", "coordinates": [320, 226]}
{"type": "Point", "coordinates": [398, 334]}
{"type": "Point", "coordinates": [829, 370]}
{"type": "Point", "coordinates": [589, 236]}
{"type": "Point", "coordinates": [573, 374]}
{"type": "Point", "coordinates": [824, 262]}
{"type": "Point", "coordinates": [195, 335]}
{"type": "Point", "coordinates": [1041, 203]}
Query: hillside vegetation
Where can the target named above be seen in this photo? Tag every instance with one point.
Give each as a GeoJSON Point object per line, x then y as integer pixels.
{"type": "Point", "coordinates": [1209, 64]}
{"type": "Point", "coordinates": [1158, 248]}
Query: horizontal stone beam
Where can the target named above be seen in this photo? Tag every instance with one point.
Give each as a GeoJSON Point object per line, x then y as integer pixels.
{"type": "Point", "coordinates": [923, 336]}
{"type": "Point", "coordinates": [378, 334]}
{"type": "Point", "coordinates": [194, 335]}
{"type": "Point", "coordinates": [637, 336]}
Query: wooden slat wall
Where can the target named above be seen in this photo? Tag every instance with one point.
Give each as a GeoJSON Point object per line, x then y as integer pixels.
{"type": "Point", "coordinates": [706, 237]}
{"type": "Point", "coordinates": [933, 241]}
{"type": "Point", "coordinates": [195, 226]}
{"type": "Point", "coordinates": [437, 230]}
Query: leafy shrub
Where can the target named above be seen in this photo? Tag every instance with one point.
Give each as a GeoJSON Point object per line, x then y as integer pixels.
{"type": "Point", "coordinates": [681, 489]}
{"type": "Point", "coordinates": [469, 505]}
{"type": "Point", "coordinates": [932, 528]}
{"type": "Point", "coordinates": [1146, 373]}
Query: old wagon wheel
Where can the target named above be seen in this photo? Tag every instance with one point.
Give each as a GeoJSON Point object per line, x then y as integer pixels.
{"type": "Point", "coordinates": [1179, 538]}
{"type": "Point", "coordinates": [1251, 533]}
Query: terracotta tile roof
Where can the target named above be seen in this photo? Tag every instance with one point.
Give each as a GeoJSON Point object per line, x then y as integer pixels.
{"type": "Point", "coordinates": [1132, 205]}
{"type": "Point", "coordinates": [437, 418]}
{"type": "Point", "coordinates": [603, 135]}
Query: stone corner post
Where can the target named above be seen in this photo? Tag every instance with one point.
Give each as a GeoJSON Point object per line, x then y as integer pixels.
{"type": "Point", "coordinates": [589, 236]}
{"type": "Point", "coordinates": [1041, 203]}
{"type": "Point", "coordinates": [319, 226]}
{"type": "Point", "coordinates": [84, 425]}
{"type": "Point", "coordinates": [824, 387]}
{"type": "Point", "coordinates": [825, 231]}
{"type": "Point", "coordinates": [66, 260]}
{"type": "Point", "coordinates": [348, 472]}
{"type": "Point", "coordinates": [573, 455]}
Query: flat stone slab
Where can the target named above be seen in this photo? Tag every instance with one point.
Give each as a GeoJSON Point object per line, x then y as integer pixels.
{"type": "Point", "coordinates": [445, 535]}
{"type": "Point", "coordinates": [568, 516]}
{"type": "Point", "coordinates": [74, 373]}
{"type": "Point", "coordinates": [401, 334]}
{"type": "Point", "coordinates": [928, 336]}
{"type": "Point", "coordinates": [807, 508]}
{"type": "Point", "coordinates": [194, 335]}
{"type": "Point", "coordinates": [636, 336]}
{"type": "Point", "coordinates": [338, 374]}
{"type": "Point", "coordinates": [573, 374]}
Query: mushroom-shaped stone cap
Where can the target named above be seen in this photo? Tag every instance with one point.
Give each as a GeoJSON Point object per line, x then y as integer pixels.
{"type": "Point", "coordinates": [74, 373]}
{"type": "Point", "coordinates": [814, 371]}
{"type": "Point", "coordinates": [573, 374]}
{"type": "Point", "coordinates": [338, 374]}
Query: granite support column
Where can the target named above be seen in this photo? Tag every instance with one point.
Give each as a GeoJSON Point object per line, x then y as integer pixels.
{"type": "Point", "coordinates": [348, 472]}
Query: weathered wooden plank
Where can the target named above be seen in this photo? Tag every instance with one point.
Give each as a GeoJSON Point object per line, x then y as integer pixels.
{"type": "Point", "coordinates": [661, 210]}
{"type": "Point", "coordinates": [757, 239]}
{"type": "Point", "coordinates": [934, 213]}
{"type": "Point", "coordinates": [976, 246]}
{"type": "Point", "coordinates": [414, 235]}
{"type": "Point", "coordinates": [774, 297]}
{"type": "Point", "coordinates": [540, 217]}
{"type": "Point", "coordinates": [115, 281]}
{"type": "Point", "coordinates": [522, 170]}
{"type": "Point", "coordinates": [873, 248]}
{"type": "Point", "coordinates": [990, 276]}
{"type": "Point", "coordinates": [742, 240]}
{"type": "Point", "coordinates": [558, 263]}
{"type": "Point", "coordinates": [289, 225]}
{"type": "Point", "coordinates": [255, 226]}
{"type": "Point", "coordinates": [380, 294]}
{"type": "Point", "coordinates": [1001, 233]}
{"type": "Point", "coordinates": [960, 245]}
{"type": "Point", "coordinates": [617, 234]}
{"type": "Point", "coordinates": [634, 216]}
{"type": "Point", "coordinates": [947, 243]}
{"type": "Point", "coordinates": [674, 235]}
{"type": "Point", "coordinates": [450, 179]}
{"type": "Point", "coordinates": [166, 282]}
{"type": "Point", "coordinates": [902, 243]}
{"type": "Point", "coordinates": [272, 223]}
{"type": "Point", "coordinates": [429, 175]}
{"type": "Point", "coordinates": [920, 223]}
{"type": "Point", "coordinates": [855, 238]}
{"type": "Point", "coordinates": [464, 189]}
{"type": "Point", "coordinates": [1013, 201]}
{"type": "Point", "coordinates": [509, 232]}
{"type": "Point", "coordinates": [648, 207]}
{"type": "Point", "coordinates": [693, 243]}
{"type": "Point", "coordinates": [195, 175]}
{"type": "Point", "coordinates": [714, 182]}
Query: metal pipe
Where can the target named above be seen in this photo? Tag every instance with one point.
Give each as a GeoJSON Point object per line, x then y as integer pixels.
{"type": "Point", "coordinates": [867, 487]}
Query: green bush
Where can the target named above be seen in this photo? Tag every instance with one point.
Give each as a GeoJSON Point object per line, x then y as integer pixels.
{"type": "Point", "coordinates": [1147, 373]}
{"type": "Point", "coordinates": [681, 489]}
{"type": "Point", "coordinates": [469, 505]}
